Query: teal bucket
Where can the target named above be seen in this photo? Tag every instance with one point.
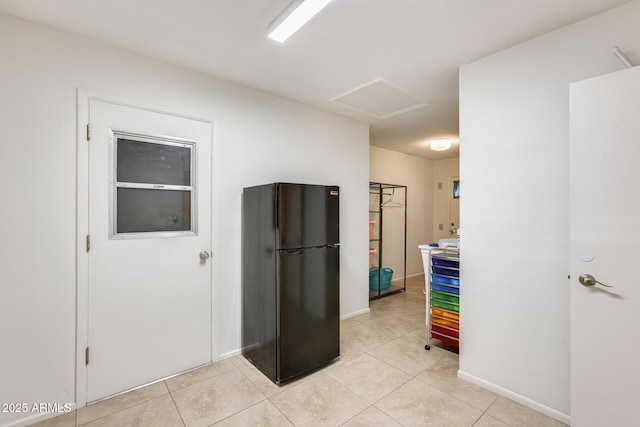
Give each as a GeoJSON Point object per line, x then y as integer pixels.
{"type": "Point", "coordinates": [384, 276]}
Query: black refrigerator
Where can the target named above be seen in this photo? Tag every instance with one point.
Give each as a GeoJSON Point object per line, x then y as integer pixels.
{"type": "Point", "coordinates": [290, 278]}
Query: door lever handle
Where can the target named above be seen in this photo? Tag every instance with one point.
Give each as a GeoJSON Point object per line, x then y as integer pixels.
{"type": "Point", "coordinates": [589, 280]}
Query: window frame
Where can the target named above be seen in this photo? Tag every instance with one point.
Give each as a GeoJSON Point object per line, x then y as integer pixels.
{"type": "Point", "coordinates": [114, 136]}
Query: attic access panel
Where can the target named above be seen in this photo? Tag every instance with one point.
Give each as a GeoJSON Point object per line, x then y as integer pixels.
{"type": "Point", "coordinates": [380, 99]}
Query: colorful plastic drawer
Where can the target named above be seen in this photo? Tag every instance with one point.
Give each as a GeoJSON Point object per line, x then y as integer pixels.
{"type": "Point", "coordinates": [445, 339]}
{"type": "Point", "coordinates": [445, 280]}
{"type": "Point", "coordinates": [444, 322]}
{"type": "Point", "coordinates": [445, 271]}
{"type": "Point", "coordinates": [445, 305]}
{"type": "Point", "coordinates": [445, 263]}
{"type": "Point", "coordinates": [445, 297]}
{"type": "Point", "coordinates": [445, 288]}
{"type": "Point", "coordinates": [445, 331]}
{"type": "Point", "coordinates": [443, 313]}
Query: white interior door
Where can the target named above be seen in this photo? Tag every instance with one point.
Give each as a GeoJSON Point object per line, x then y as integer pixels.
{"type": "Point", "coordinates": [605, 243]}
{"type": "Point", "coordinates": [149, 291]}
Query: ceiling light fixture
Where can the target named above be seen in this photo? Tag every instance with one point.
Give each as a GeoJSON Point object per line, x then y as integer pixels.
{"type": "Point", "coordinates": [621, 56]}
{"type": "Point", "coordinates": [294, 16]}
{"type": "Point", "coordinates": [440, 144]}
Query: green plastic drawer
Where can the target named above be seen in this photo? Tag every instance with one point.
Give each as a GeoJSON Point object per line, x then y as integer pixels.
{"type": "Point", "coordinates": [445, 297]}
{"type": "Point", "coordinates": [445, 305]}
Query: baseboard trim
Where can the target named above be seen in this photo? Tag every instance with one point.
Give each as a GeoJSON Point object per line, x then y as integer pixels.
{"type": "Point", "coordinates": [356, 313]}
{"type": "Point", "coordinates": [557, 415]}
{"type": "Point", "coordinates": [409, 276]}
{"type": "Point", "coordinates": [230, 354]}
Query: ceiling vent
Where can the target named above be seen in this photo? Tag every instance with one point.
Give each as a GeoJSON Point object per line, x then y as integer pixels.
{"type": "Point", "coordinates": [380, 99]}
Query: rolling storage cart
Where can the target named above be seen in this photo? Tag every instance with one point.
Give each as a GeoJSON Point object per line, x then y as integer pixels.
{"type": "Point", "coordinates": [443, 296]}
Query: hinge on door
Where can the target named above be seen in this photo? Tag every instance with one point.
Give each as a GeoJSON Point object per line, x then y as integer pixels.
{"type": "Point", "coordinates": [88, 132]}
{"type": "Point", "coordinates": [86, 356]}
{"type": "Point", "coordinates": [88, 242]}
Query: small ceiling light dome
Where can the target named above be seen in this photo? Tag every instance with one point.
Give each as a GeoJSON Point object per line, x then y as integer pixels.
{"type": "Point", "coordinates": [440, 144]}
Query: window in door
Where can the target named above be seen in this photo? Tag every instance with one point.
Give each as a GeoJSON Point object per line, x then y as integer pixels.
{"type": "Point", "coordinates": [153, 193]}
{"type": "Point", "coordinates": [456, 189]}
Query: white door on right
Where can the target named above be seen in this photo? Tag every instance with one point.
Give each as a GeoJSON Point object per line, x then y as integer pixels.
{"type": "Point", "coordinates": [605, 247]}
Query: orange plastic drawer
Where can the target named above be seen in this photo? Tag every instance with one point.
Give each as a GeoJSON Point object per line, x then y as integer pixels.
{"type": "Point", "coordinates": [444, 322]}
{"type": "Point", "coordinates": [444, 313]}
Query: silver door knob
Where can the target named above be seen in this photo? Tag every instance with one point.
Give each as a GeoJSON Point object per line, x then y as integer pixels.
{"type": "Point", "coordinates": [589, 280]}
{"type": "Point", "coordinates": [204, 255]}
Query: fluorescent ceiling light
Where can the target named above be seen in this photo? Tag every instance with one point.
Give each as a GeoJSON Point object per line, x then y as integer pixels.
{"type": "Point", "coordinates": [292, 22]}
{"type": "Point", "coordinates": [440, 144]}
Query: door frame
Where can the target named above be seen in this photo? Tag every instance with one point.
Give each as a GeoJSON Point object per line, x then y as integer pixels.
{"type": "Point", "coordinates": [84, 97]}
{"type": "Point", "coordinates": [450, 200]}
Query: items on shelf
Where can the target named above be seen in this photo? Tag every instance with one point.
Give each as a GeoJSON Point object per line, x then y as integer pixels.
{"type": "Point", "coordinates": [383, 197]}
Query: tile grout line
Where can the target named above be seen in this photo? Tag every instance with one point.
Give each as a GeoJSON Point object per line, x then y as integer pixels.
{"type": "Point", "coordinates": [176, 405]}
{"type": "Point", "coordinates": [120, 410]}
{"type": "Point", "coordinates": [200, 380]}
{"type": "Point", "coordinates": [267, 398]}
{"type": "Point", "coordinates": [485, 412]}
{"type": "Point", "coordinates": [356, 415]}
{"type": "Point", "coordinates": [283, 414]}
{"type": "Point", "coordinates": [462, 401]}
{"type": "Point", "coordinates": [240, 411]}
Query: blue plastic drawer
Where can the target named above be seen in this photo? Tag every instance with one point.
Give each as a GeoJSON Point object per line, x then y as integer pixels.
{"type": "Point", "coordinates": [445, 263]}
{"type": "Point", "coordinates": [445, 288]}
{"type": "Point", "coordinates": [445, 280]}
{"type": "Point", "coordinates": [445, 271]}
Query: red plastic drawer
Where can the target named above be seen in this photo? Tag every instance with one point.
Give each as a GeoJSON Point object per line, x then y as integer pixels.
{"type": "Point", "coordinates": [445, 331]}
{"type": "Point", "coordinates": [445, 339]}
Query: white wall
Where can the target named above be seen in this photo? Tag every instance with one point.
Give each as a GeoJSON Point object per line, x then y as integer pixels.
{"type": "Point", "coordinates": [391, 167]}
{"type": "Point", "coordinates": [259, 138]}
{"type": "Point", "coordinates": [443, 171]}
{"type": "Point", "coordinates": [514, 160]}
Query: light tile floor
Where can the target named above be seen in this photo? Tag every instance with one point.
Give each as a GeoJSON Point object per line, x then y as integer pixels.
{"type": "Point", "coordinates": [384, 377]}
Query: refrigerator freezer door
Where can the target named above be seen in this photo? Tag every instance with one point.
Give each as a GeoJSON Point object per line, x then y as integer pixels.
{"type": "Point", "coordinates": [309, 298]}
{"type": "Point", "coordinates": [259, 265]}
{"type": "Point", "coordinates": [308, 216]}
